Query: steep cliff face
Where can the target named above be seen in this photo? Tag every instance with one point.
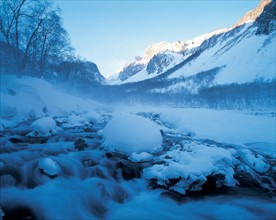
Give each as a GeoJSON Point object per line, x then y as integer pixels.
{"type": "Point", "coordinates": [266, 22]}
{"type": "Point", "coordinates": [158, 62]}
{"type": "Point", "coordinates": [130, 70]}
{"type": "Point", "coordinates": [254, 14]}
{"type": "Point", "coordinates": [264, 15]}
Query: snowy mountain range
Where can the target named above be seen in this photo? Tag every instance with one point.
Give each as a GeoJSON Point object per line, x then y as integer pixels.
{"type": "Point", "coordinates": [243, 53]}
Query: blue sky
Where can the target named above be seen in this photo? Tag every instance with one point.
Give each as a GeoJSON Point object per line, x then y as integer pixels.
{"type": "Point", "coordinates": [111, 33]}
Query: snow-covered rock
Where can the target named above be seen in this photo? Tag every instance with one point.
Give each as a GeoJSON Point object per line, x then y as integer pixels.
{"type": "Point", "coordinates": [131, 133]}
{"type": "Point", "coordinates": [49, 166]}
{"type": "Point", "coordinates": [254, 161]}
{"type": "Point", "coordinates": [191, 167]}
{"type": "Point", "coordinates": [43, 127]}
{"type": "Point", "coordinates": [76, 120]}
{"type": "Point", "coordinates": [142, 157]}
{"type": "Point", "coordinates": [92, 116]}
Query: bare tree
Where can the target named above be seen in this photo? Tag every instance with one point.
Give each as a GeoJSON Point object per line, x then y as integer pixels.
{"type": "Point", "coordinates": [35, 29]}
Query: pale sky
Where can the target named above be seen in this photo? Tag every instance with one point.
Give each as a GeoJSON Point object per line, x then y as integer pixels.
{"type": "Point", "coordinates": [111, 33]}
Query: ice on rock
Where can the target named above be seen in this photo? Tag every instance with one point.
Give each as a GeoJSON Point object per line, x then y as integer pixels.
{"type": "Point", "coordinates": [131, 133]}
{"type": "Point", "coordinates": [45, 126]}
{"type": "Point", "coordinates": [49, 166]}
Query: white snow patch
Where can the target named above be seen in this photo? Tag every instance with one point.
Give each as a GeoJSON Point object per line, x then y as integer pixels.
{"type": "Point", "coordinates": [49, 166]}
{"type": "Point", "coordinates": [131, 133]}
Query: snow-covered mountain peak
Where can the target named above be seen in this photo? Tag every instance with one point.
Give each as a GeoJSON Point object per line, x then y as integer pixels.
{"type": "Point", "coordinates": [253, 14]}
{"type": "Point", "coordinates": [197, 41]}
{"type": "Point", "coordinates": [159, 58]}
{"type": "Point", "coordinates": [163, 46]}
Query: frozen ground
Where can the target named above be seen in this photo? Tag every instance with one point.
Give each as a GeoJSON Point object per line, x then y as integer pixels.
{"type": "Point", "coordinates": [68, 158]}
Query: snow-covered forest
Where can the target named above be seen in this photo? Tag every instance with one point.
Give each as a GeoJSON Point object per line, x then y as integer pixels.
{"type": "Point", "coordinates": [186, 132]}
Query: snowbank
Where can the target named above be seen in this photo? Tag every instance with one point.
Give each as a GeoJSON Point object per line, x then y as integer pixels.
{"type": "Point", "coordinates": [225, 126]}
{"type": "Point", "coordinates": [131, 133]}
{"type": "Point", "coordinates": [32, 98]}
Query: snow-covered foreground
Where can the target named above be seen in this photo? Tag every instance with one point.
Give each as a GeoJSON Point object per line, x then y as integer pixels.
{"type": "Point", "coordinates": [63, 157]}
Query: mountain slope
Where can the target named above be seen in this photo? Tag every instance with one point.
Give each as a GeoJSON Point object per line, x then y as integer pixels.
{"type": "Point", "coordinates": [231, 47]}
{"type": "Point", "coordinates": [246, 57]}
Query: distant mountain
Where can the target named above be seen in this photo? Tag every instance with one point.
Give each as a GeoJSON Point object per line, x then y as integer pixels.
{"type": "Point", "coordinates": [81, 73]}
{"type": "Point", "coordinates": [231, 48]}
{"type": "Point", "coordinates": [230, 68]}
